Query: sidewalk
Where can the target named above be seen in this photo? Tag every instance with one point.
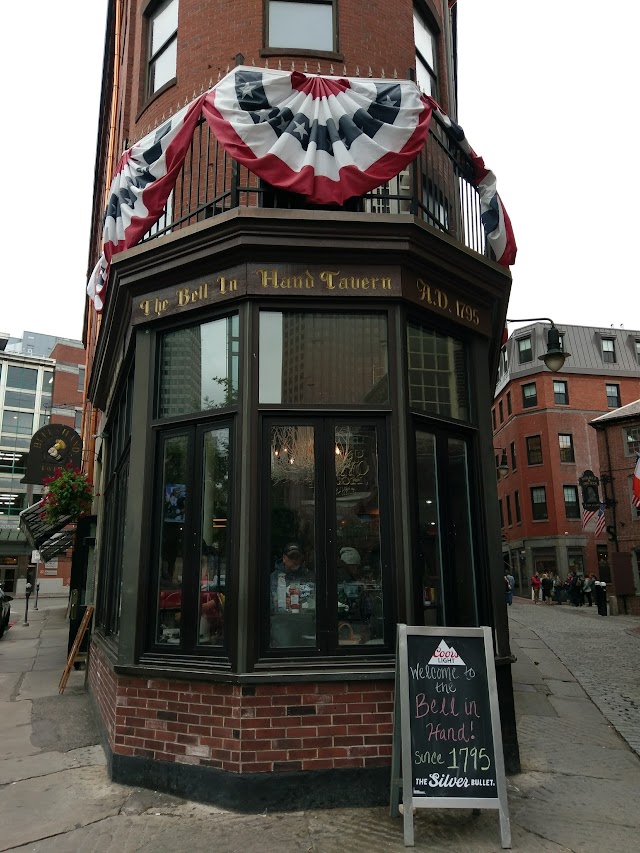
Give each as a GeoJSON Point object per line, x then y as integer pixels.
{"type": "Point", "coordinates": [577, 792]}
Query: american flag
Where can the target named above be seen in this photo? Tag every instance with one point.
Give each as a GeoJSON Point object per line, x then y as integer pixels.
{"type": "Point", "coordinates": [587, 515]}
{"type": "Point", "coordinates": [635, 486]}
{"type": "Point", "coordinates": [600, 521]}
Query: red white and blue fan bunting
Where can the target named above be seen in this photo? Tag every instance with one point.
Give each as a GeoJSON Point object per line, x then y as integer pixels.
{"type": "Point", "coordinates": [495, 220]}
{"type": "Point", "coordinates": [325, 138]}
{"type": "Point", "coordinates": [144, 179]}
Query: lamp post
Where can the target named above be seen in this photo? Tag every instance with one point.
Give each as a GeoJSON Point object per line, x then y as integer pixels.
{"type": "Point", "coordinates": [555, 356]}
{"type": "Point", "coordinates": [503, 468]}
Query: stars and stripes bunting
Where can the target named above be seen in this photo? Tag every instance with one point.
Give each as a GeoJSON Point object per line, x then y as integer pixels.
{"type": "Point", "coordinates": [600, 521]}
{"type": "Point", "coordinates": [326, 138]}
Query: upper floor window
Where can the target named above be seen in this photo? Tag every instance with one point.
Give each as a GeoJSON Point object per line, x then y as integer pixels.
{"type": "Point", "coordinates": [163, 45]}
{"type": "Point", "coordinates": [501, 513]}
{"type": "Point", "coordinates": [565, 442]}
{"type": "Point", "coordinates": [529, 395]}
{"type": "Point", "coordinates": [493, 419]}
{"type": "Point", "coordinates": [608, 350]}
{"type": "Point", "coordinates": [561, 393]}
{"type": "Point", "coordinates": [632, 441]}
{"type": "Point", "coordinates": [509, 516]}
{"type": "Point", "coordinates": [613, 396]}
{"type": "Point", "coordinates": [501, 409]}
{"type": "Point", "coordinates": [534, 450]}
{"type": "Point", "coordinates": [509, 407]}
{"type": "Point", "coordinates": [303, 24]}
{"type": "Point", "coordinates": [81, 379]}
{"type": "Point", "coordinates": [516, 500]}
{"type": "Point", "coordinates": [571, 506]}
{"type": "Point", "coordinates": [525, 352]}
{"type": "Point", "coordinates": [25, 378]}
{"type": "Point", "coordinates": [426, 55]}
{"type": "Point", "coordinates": [539, 503]}
{"type": "Point", "coordinates": [637, 343]}
{"type": "Point", "coordinates": [513, 456]}
{"type": "Point", "coordinates": [504, 361]}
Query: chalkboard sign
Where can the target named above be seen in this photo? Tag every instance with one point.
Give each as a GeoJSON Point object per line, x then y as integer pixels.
{"type": "Point", "coordinates": [447, 727]}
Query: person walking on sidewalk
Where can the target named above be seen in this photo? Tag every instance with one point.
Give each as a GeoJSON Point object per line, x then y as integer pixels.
{"type": "Point", "coordinates": [557, 588]}
{"type": "Point", "coordinates": [587, 589]}
{"type": "Point", "coordinates": [547, 585]}
{"type": "Point", "coordinates": [509, 583]}
{"type": "Point", "coordinates": [536, 583]}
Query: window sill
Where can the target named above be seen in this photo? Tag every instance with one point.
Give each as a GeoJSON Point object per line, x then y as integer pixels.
{"type": "Point", "coordinates": [168, 85]}
{"type": "Point", "coordinates": [267, 52]}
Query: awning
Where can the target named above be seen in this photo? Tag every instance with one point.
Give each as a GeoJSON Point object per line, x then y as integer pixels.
{"type": "Point", "coordinates": [49, 538]}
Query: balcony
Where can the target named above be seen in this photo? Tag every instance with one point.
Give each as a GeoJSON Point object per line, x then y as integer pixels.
{"type": "Point", "coordinates": [436, 188]}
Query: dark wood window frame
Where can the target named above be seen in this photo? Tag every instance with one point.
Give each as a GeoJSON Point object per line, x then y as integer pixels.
{"type": "Point", "coordinates": [529, 401]}
{"type": "Point", "coordinates": [543, 513]}
{"type": "Point", "coordinates": [567, 451]}
{"type": "Point", "coordinates": [326, 545]}
{"type": "Point", "coordinates": [572, 507]}
{"type": "Point", "coordinates": [561, 396]}
{"type": "Point", "coordinates": [534, 454]}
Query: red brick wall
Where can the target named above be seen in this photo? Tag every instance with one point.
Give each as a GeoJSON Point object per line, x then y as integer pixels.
{"type": "Point", "coordinates": [245, 729]}
{"type": "Point", "coordinates": [212, 32]}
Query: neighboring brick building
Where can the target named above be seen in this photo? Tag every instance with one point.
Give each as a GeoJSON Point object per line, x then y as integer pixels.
{"type": "Point", "coordinates": [41, 381]}
{"type": "Point", "coordinates": [541, 422]}
{"type": "Point", "coordinates": [618, 435]}
{"type": "Point", "coordinates": [268, 378]}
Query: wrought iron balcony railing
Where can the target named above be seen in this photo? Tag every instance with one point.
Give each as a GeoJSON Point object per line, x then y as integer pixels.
{"type": "Point", "coordinates": [436, 187]}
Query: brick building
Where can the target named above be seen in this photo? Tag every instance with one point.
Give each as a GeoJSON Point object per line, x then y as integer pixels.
{"type": "Point", "coordinates": [541, 423]}
{"type": "Point", "coordinates": [618, 434]}
{"type": "Point", "coordinates": [280, 390]}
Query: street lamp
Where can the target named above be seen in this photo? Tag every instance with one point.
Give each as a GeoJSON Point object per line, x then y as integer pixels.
{"type": "Point", "coordinates": [503, 468]}
{"type": "Point", "coordinates": [555, 356]}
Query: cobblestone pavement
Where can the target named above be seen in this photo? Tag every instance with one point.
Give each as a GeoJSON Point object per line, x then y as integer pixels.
{"type": "Point", "coordinates": [601, 652]}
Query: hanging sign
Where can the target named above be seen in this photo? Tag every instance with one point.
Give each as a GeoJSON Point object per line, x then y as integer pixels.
{"type": "Point", "coordinates": [53, 446]}
{"type": "Point", "coordinates": [447, 744]}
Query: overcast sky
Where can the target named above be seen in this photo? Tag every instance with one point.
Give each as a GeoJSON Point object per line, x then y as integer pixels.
{"type": "Point", "coordinates": [548, 96]}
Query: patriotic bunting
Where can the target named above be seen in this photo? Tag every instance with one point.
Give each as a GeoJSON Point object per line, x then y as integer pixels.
{"type": "Point", "coordinates": [144, 178]}
{"type": "Point", "coordinates": [495, 220]}
{"type": "Point", "coordinates": [326, 138]}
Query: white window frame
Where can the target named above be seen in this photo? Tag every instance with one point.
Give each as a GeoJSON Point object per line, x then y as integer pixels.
{"type": "Point", "coordinates": [167, 44]}
{"type": "Point", "coordinates": [331, 47]}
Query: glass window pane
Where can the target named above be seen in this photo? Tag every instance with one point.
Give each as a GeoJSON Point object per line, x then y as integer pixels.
{"type": "Point", "coordinates": [359, 597]}
{"type": "Point", "coordinates": [323, 358]}
{"type": "Point", "coordinates": [17, 423]}
{"type": "Point", "coordinates": [437, 373]}
{"type": "Point", "coordinates": [20, 399]}
{"type": "Point", "coordinates": [429, 549]}
{"type": "Point", "coordinates": [163, 68]}
{"type": "Point", "coordinates": [22, 377]}
{"type": "Point", "coordinates": [424, 39]}
{"type": "Point", "coordinates": [163, 24]}
{"type": "Point", "coordinates": [215, 541]}
{"type": "Point", "coordinates": [461, 537]}
{"type": "Point", "coordinates": [199, 368]}
{"type": "Point", "coordinates": [303, 25]}
{"type": "Point", "coordinates": [425, 81]}
{"type": "Point", "coordinates": [292, 529]}
{"type": "Point", "coordinates": [172, 539]}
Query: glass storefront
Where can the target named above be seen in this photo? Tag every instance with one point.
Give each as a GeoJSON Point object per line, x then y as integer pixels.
{"type": "Point", "coordinates": [323, 577]}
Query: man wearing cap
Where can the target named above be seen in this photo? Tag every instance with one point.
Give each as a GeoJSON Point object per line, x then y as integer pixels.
{"type": "Point", "coordinates": [293, 613]}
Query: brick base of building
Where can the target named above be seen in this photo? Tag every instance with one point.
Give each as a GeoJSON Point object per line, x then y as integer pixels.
{"type": "Point", "coordinates": [327, 744]}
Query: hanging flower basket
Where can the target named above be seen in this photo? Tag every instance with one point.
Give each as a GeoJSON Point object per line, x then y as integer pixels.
{"type": "Point", "coordinates": [68, 493]}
